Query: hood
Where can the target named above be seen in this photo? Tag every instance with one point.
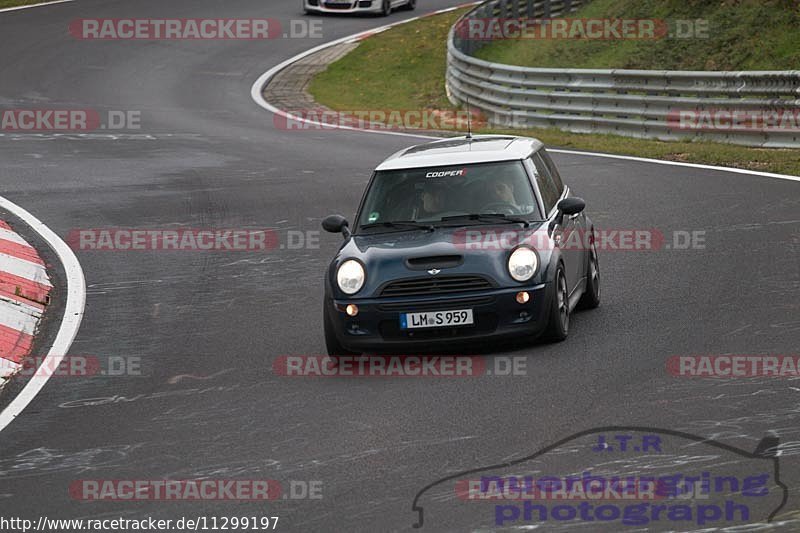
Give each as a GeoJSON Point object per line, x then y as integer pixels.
{"type": "Point", "coordinates": [472, 250]}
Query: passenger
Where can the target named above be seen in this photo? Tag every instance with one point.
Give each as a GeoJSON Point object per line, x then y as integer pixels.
{"type": "Point", "coordinates": [433, 198]}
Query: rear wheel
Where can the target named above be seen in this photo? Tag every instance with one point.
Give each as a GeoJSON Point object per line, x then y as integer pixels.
{"type": "Point", "coordinates": [558, 323]}
{"type": "Point", "coordinates": [591, 298]}
{"type": "Point", "coordinates": [411, 5]}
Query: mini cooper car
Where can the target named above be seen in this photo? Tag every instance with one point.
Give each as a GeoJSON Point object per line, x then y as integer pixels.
{"type": "Point", "coordinates": [463, 240]}
{"type": "Point", "coordinates": [378, 7]}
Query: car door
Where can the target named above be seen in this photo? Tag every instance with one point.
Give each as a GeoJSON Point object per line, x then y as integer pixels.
{"type": "Point", "coordinates": [579, 238]}
{"type": "Point", "coordinates": [566, 234]}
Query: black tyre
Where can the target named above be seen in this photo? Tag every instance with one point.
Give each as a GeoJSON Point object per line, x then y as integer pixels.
{"type": "Point", "coordinates": [386, 8]}
{"type": "Point", "coordinates": [411, 5]}
{"type": "Point", "coordinates": [558, 322]}
{"type": "Point", "coordinates": [332, 344]}
{"type": "Point", "coordinates": [591, 298]}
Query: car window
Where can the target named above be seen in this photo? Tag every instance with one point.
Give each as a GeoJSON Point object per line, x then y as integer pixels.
{"type": "Point", "coordinates": [430, 194]}
{"type": "Point", "coordinates": [553, 171]}
{"type": "Point", "coordinates": [547, 187]}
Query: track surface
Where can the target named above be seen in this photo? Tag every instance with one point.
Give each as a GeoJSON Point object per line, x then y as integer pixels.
{"type": "Point", "coordinates": [216, 160]}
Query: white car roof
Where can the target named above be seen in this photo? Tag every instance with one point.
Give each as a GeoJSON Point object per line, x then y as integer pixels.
{"type": "Point", "coordinates": [462, 151]}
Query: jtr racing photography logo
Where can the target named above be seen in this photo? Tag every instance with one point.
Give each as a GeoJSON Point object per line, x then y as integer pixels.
{"type": "Point", "coordinates": [611, 479]}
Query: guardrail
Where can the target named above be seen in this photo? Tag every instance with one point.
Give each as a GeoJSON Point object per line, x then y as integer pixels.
{"type": "Point", "coordinates": [754, 108]}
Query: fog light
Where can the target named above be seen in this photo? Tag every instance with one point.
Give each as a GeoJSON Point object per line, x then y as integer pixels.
{"type": "Point", "coordinates": [523, 297]}
{"type": "Point", "coordinates": [351, 310]}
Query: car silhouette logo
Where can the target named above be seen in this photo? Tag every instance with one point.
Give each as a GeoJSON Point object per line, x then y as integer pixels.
{"type": "Point", "coordinates": [433, 271]}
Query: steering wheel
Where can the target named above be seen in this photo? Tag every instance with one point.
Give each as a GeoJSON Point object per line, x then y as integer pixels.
{"type": "Point", "coordinates": [499, 207]}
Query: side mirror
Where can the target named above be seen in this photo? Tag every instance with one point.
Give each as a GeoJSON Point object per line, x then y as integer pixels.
{"type": "Point", "coordinates": [568, 206]}
{"type": "Point", "coordinates": [336, 224]}
{"type": "Point", "coordinates": [571, 205]}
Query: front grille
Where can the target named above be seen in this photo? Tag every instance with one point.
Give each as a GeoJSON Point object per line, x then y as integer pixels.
{"type": "Point", "coordinates": [436, 261]}
{"type": "Point", "coordinates": [435, 285]}
{"type": "Point", "coordinates": [338, 5]}
{"type": "Point", "coordinates": [438, 305]}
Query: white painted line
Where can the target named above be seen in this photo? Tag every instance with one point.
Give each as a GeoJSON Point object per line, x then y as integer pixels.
{"type": "Point", "coordinates": [9, 235]}
{"type": "Point", "coordinates": [20, 317]}
{"type": "Point", "coordinates": [24, 269]}
{"type": "Point", "coordinates": [35, 5]}
{"type": "Point", "coordinates": [257, 88]}
{"type": "Point", "coordinates": [256, 93]}
{"type": "Point", "coordinates": [679, 164]}
{"type": "Point", "coordinates": [73, 312]}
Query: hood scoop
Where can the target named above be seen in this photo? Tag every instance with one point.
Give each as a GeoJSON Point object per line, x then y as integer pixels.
{"type": "Point", "coordinates": [434, 261]}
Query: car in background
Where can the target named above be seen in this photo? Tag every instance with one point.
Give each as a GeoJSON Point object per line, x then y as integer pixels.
{"type": "Point", "coordinates": [461, 240]}
{"type": "Point", "coordinates": [377, 7]}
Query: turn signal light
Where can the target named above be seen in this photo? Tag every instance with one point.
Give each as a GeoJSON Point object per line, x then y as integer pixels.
{"type": "Point", "coordinates": [523, 297]}
{"type": "Point", "coordinates": [351, 310]}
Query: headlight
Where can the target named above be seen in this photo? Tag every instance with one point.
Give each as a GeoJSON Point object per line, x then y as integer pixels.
{"type": "Point", "coordinates": [350, 276]}
{"type": "Point", "coordinates": [522, 264]}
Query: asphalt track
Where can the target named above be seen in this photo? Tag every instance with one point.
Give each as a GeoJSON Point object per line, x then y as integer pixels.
{"type": "Point", "coordinates": [212, 158]}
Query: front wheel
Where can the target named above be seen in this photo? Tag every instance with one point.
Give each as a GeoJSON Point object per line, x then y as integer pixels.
{"type": "Point", "coordinates": [558, 323]}
{"type": "Point", "coordinates": [591, 298]}
{"type": "Point", "coordinates": [386, 8]}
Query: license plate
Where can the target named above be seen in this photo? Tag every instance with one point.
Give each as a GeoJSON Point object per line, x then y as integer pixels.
{"type": "Point", "coordinates": [436, 319]}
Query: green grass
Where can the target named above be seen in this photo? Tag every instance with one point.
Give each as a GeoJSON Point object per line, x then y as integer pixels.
{"type": "Point", "coordinates": [741, 35]}
{"type": "Point", "coordinates": [15, 3]}
{"type": "Point", "coordinates": [403, 68]}
{"type": "Point", "coordinates": [708, 153]}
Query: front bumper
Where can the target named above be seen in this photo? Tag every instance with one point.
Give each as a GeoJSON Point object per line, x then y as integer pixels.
{"type": "Point", "coordinates": [346, 6]}
{"type": "Point", "coordinates": [497, 316]}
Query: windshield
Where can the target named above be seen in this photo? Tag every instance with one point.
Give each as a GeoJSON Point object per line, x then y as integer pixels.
{"type": "Point", "coordinates": [442, 194]}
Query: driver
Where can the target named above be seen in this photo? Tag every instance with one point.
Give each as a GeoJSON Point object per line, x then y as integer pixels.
{"type": "Point", "coordinates": [501, 191]}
